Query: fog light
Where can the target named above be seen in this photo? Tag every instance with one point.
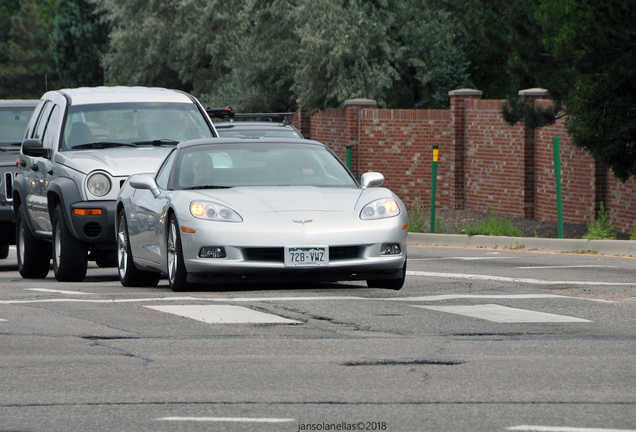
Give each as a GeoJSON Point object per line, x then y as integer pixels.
{"type": "Point", "coordinates": [390, 249]}
{"type": "Point", "coordinates": [212, 252]}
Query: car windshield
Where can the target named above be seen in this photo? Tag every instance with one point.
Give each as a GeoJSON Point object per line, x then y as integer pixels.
{"type": "Point", "coordinates": [259, 164]}
{"type": "Point", "coordinates": [13, 122]}
{"type": "Point", "coordinates": [255, 133]}
{"type": "Point", "coordinates": [138, 124]}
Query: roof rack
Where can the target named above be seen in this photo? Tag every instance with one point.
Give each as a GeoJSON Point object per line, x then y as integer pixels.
{"type": "Point", "coordinates": [228, 112]}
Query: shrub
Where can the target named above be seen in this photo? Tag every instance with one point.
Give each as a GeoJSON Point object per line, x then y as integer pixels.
{"type": "Point", "coordinates": [494, 226]}
{"type": "Point", "coordinates": [601, 228]}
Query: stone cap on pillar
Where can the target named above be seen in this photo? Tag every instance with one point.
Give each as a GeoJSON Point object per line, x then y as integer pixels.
{"type": "Point", "coordinates": [534, 92]}
{"type": "Point", "coordinates": [465, 92]}
{"type": "Point", "coordinates": [360, 102]}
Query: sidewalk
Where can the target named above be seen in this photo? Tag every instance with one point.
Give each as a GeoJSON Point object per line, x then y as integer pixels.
{"type": "Point", "coordinates": [625, 248]}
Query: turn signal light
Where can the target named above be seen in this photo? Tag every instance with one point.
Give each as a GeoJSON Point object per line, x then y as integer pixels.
{"type": "Point", "coordinates": [188, 230]}
{"type": "Point", "coordinates": [88, 212]}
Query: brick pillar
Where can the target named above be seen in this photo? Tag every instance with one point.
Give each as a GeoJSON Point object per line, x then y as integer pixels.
{"type": "Point", "coordinates": [529, 149]}
{"type": "Point", "coordinates": [456, 154]}
{"type": "Point", "coordinates": [302, 121]}
{"type": "Point", "coordinates": [353, 108]}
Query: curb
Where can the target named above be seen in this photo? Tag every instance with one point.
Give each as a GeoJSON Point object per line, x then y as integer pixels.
{"type": "Point", "coordinates": [625, 248]}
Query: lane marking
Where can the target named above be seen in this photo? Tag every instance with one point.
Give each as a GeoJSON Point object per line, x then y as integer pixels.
{"type": "Point", "coordinates": [228, 419]}
{"type": "Point", "coordinates": [464, 258]}
{"type": "Point", "coordinates": [316, 298]}
{"type": "Point", "coordinates": [224, 314]}
{"type": "Point", "coordinates": [503, 314]}
{"type": "Point", "coordinates": [56, 291]}
{"type": "Point", "coordinates": [3, 319]}
{"type": "Point", "coordinates": [517, 280]}
{"type": "Point", "coordinates": [561, 267]}
{"type": "Point", "coordinates": [564, 429]}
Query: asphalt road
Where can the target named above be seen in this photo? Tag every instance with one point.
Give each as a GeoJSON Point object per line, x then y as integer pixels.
{"type": "Point", "coordinates": [477, 340]}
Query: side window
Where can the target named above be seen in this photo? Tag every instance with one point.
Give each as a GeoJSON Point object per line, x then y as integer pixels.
{"type": "Point", "coordinates": [32, 122]}
{"type": "Point", "coordinates": [51, 128]}
{"type": "Point", "coordinates": [164, 172]}
{"type": "Point", "coordinates": [42, 121]}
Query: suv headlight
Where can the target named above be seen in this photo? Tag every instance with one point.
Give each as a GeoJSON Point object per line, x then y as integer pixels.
{"type": "Point", "coordinates": [380, 209]}
{"type": "Point", "coordinates": [209, 210]}
{"type": "Point", "coordinates": [98, 184]}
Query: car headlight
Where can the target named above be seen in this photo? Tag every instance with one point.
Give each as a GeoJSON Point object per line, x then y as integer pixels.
{"type": "Point", "coordinates": [380, 209]}
{"type": "Point", "coordinates": [209, 210]}
{"type": "Point", "coordinates": [98, 184]}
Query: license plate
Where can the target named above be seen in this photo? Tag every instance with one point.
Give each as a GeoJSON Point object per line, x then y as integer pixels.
{"type": "Point", "coordinates": [306, 256]}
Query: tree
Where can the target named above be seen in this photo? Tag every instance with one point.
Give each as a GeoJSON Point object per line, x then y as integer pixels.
{"type": "Point", "coordinates": [27, 68]}
{"type": "Point", "coordinates": [79, 41]}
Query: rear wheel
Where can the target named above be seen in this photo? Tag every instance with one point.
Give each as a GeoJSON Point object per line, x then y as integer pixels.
{"type": "Point", "coordinates": [392, 284]}
{"type": "Point", "coordinates": [177, 273]}
{"type": "Point", "coordinates": [34, 255]}
{"type": "Point", "coordinates": [70, 256]}
{"type": "Point", "coordinates": [129, 274]}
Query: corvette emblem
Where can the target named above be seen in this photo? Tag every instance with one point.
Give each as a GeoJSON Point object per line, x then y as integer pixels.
{"type": "Point", "coordinates": [302, 221]}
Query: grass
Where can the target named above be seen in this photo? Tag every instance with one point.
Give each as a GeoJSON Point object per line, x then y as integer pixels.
{"type": "Point", "coordinates": [419, 220]}
{"type": "Point", "coordinates": [601, 228]}
{"type": "Point", "coordinates": [494, 226]}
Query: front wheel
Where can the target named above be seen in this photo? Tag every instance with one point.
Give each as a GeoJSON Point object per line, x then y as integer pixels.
{"type": "Point", "coordinates": [392, 284]}
{"type": "Point", "coordinates": [177, 273]}
{"type": "Point", "coordinates": [70, 256]}
{"type": "Point", "coordinates": [129, 274]}
{"type": "Point", "coordinates": [34, 255]}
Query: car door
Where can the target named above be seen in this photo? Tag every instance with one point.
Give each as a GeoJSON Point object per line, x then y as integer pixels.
{"type": "Point", "coordinates": [149, 220]}
{"type": "Point", "coordinates": [36, 174]}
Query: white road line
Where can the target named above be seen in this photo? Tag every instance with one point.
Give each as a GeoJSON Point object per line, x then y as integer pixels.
{"type": "Point", "coordinates": [56, 291]}
{"type": "Point", "coordinates": [562, 267]}
{"type": "Point", "coordinates": [503, 314]}
{"type": "Point", "coordinates": [316, 298]}
{"type": "Point", "coordinates": [224, 314]}
{"type": "Point", "coordinates": [464, 258]}
{"type": "Point", "coordinates": [564, 429]}
{"type": "Point", "coordinates": [518, 280]}
{"type": "Point", "coordinates": [3, 319]}
{"type": "Point", "coordinates": [228, 419]}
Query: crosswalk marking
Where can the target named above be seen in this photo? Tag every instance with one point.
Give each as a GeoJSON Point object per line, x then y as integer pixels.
{"type": "Point", "coordinates": [56, 291]}
{"type": "Point", "coordinates": [503, 314]}
{"type": "Point", "coordinates": [224, 314]}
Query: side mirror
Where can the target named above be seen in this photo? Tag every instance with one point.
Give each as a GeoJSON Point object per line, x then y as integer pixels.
{"type": "Point", "coordinates": [145, 181]}
{"type": "Point", "coordinates": [33, 147]}
{"type": "Point", "coordinates": [372, 179]}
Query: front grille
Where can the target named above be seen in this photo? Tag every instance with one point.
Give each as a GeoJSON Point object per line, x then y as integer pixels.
{"type": "Point", "coordinates": [337, 253]}
{"type": "Point", "coordinates": [92, 229]}
{"type": "Point", "coordinates": [265, 254]}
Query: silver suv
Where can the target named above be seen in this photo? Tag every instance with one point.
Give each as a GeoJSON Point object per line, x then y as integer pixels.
{"type": "Point", "coordinates": [14, 116]}
{"type": "Point", "coordinates": [80, 146]}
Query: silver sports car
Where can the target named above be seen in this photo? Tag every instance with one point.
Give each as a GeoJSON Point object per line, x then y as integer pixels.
{"type": "Point", "coordinates": [226, 210]}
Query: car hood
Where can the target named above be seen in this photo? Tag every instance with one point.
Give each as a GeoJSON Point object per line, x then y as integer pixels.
{"type": "Point", "coordinates": [120, 161]}
{"type": "Point", "coordinates": [293, 198]}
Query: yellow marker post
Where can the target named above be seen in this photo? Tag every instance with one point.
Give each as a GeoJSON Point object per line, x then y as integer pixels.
{"type": "Point", "coordinates": [434, 187]}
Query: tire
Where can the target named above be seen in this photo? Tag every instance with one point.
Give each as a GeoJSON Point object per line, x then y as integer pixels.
{"type": "Point", "coordinates": [70, 256]}
{"type": "Point", "coordinates": [392, 284]}
{"type": "Point", "coordinates": [129, 274]}
{"type": "Point", "coordinates": [34, 255]}
{"type": "Point", "coordinates": [4, 251]}
{"type": "Point", "coordinates": [177, 273]}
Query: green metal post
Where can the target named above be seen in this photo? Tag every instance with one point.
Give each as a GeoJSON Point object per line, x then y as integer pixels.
{"type": "Point", "coordinates": [349, 157]}
{"type": "Point", "coordinates": [557, 174]}
{"type": "Point", "coordinates": [434, 187]}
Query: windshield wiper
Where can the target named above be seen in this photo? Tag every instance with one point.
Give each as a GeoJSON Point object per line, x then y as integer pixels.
{"type": "Point", "coordinates": [102, 144]}
{"type": "Point", "coordinates": [207, 187]}
{"type": "Point", "coordinates": [157, 142]}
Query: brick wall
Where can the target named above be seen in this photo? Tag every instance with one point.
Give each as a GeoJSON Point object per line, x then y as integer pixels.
{"type": "Point", "coordinates": [483, 163]}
